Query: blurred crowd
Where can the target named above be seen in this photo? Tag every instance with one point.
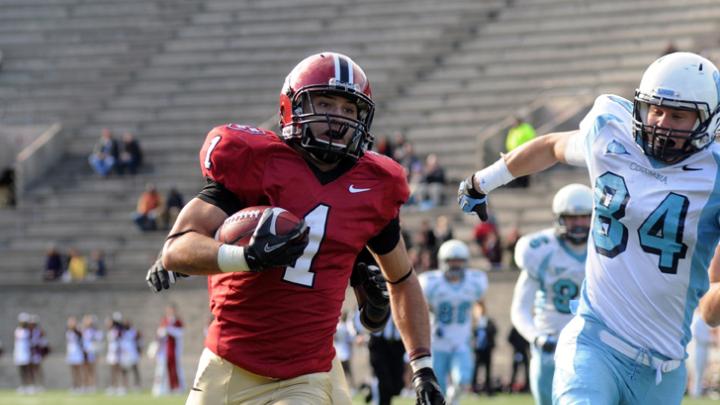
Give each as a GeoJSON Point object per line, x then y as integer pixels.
{"type": "Point", "coordinates": [118, 347]}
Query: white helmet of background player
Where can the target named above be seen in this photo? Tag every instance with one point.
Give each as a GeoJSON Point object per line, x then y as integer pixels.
{"type": "Point", "coordinates": [573, 200]}
{"type": "Point", "coordinates": [453, 255]}
{"type": "Point", "coordinates": [684, 81]}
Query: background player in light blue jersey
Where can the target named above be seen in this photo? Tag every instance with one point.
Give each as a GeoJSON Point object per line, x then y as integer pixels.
{"type": "Point", "coordinates": [451, 293]}
{"type": "Point", "coordinates": [655, 172]}
{"type": "Point", "coordinates": [553, 269]}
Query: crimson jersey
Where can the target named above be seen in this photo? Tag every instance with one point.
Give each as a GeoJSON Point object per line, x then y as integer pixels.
{"type": "Point", "coordinates": [280, 323]}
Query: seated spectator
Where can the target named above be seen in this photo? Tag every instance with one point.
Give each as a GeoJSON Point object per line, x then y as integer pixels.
{"type": "Point", "coordinates": [443, 229]}
{"type": "Point", "coordinates": [487, 237]}
{"type": "Point", "coordinates": [385, 147]}
{"type": "Point", "coordinates": [432, 183]}
{"type": "Point", "coordinates": [98, 267]}
{"type": "Point", "coordinates": [105, 154]}
{"type": "Point", "coordinates": [512, 238]}
{"type": "Point", "coordinates": [53, 264]}
{"type": "Point", "coordinates": [148, 206]}
{"type": "Point", "coordinates": [130, 154]}
{"type": "Point", "coordinates": [7, 187]}
{"type": "Point", "coordinates": [77, 266]}
{"type": "Point", "coordinates": [174, 202]}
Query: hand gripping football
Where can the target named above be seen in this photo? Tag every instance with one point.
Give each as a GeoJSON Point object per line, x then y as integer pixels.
{"type": "Point", "coordinates": [239, 227]}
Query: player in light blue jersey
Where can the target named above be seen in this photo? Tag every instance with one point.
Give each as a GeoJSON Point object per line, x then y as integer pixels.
{"type": "Point", "coordinates": [451, 293]}
{"type": "Point", "coordinates": [553, 269]}
{"type": "Point", "coordinates": [655, 173]}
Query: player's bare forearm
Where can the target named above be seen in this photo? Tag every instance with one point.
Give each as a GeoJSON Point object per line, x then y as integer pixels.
{"type": "Point", "coordinates": [410, 313]}
{"type": "Point", "coordinates": [710, 302]}
{"type": "Point", "coordinates": [710, 305]}
{"type": "Point", "coordinates": [409, 309]}
{"type": "Point", "coordinates": [190, 247]}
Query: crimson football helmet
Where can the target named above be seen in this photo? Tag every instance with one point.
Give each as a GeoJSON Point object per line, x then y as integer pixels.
{"type": "Point", "coordinates": [332, 74]}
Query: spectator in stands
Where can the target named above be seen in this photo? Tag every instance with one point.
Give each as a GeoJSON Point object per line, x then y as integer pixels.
{"type": "Point", "coordinates": [105, 154]}
{"type": "Point", "coordinates": [385, 147]}
{"type": "Point", "coordinates": [92, 342]}
{"type": "Point", "coordinates": [443, 229]}
{"type": "Point", "coordinates": [430, 189]}
{"type": "Point", "coordinates": [131, 155]}
{"type": "Point", "coordinates": [413, 169]}
{"type": "Point", "coordinates": [512, 238]}
{"type": "Point", "coordinates": [169, 378]}
{"type": "Point", "coordinates": [40, 349]}
{"type": "Point", "coordinates": [77, 268]}
{"type": "Point", "coordinates": [174, 202]}
{"type": "Point", "coordinates": [488, 239]}
{"type": "Point", "coordinates": [399, 146]}
{"type": "Point", "coordinates": [520, 359]}
{"type": "Point", "coordinates": [74, 354]}
{"type": "Point", "coordinates": [7, 187]}
{"type": "Point", "coordinates": [669, 48]}
{"type": "Point", "coordinates": [130, 349]}
{"type": "Point", "coordinates": [53, 264]}
{"type": "Point", "coordinates": [118, 379]}
{"type": "Point", "coordinates": [22, 354]}
{"type": "Point", "coordinates": [484, 333]}
{"type": "Point", "coordinates": [517, 135]}
{"type": "Point", "coordinates": [148, 207]}
{"type": "Point", "coordinates": [98, 266]}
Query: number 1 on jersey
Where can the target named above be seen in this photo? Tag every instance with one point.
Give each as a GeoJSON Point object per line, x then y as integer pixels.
{"type": "Point", "coordinates": [300, 273]}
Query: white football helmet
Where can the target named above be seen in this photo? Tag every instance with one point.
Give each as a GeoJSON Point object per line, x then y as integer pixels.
{"type": "Point", "coordinates": [572, 200]}
{"type": "Point", "coordinates": [453, 249]}
{"type": "Point", "coordinates": [684, 81]}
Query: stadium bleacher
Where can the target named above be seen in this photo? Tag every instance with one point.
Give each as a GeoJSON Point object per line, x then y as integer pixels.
{"type": "Point", "coordinates": [168, 71]}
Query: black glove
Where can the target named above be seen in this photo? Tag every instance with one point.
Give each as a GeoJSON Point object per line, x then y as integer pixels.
{"type": "Point", "coordinates": [374, 284]}
{"type": "Point", "coordinates": [471, 200]}
{"type": "Point", "coordinates": [267, 250]}
{"type": "Point", "coordinates": [375, 301]}
{"type": "Point", "coordinates": [159, 279]}
{"type": "Point", "coordinates": [427, 389]}
{"type": "Point", "coordinates": [546, 343]}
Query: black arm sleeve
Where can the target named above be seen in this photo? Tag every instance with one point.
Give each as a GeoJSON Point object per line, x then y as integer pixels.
{"type": "Point", "coordinates": [216, 194]}
{"type": "Point", "coordinates": [387, 239]}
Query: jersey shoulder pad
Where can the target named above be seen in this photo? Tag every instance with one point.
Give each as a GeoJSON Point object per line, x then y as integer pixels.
{"type": "Point", "coordinates": [533, 248]}
{"type": "Point", "coordinates": [479, 279]}
{"type": "Point", "coordinates": [608, 110]}
{"type": "Point", "coordinates": [232, 148]}
{"type": "Point", "coordinates": [429, 278]}
{"type": "Point", "coordinates": [391, 174]}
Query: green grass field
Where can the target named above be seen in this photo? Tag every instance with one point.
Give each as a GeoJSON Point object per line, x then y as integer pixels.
{"type": "Point", "coordinates": [9, 397]}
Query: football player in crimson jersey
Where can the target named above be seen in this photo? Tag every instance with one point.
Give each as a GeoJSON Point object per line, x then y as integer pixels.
{"type": "Point", "coordinates": [277, 301]}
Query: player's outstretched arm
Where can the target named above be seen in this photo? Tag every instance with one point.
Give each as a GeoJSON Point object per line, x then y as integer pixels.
{"type": "Point", "coordinates": [710, 302]}
{"type": "Point", "coordinates": [410, 313]}
{"type": "Point", "coordinates": [531, 157]}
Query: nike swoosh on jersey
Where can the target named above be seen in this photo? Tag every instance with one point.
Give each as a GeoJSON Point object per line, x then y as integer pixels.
{"type": "Point", "coordinates": [690, 169]}
{"type": "Point", "coordinates": [353, 189]}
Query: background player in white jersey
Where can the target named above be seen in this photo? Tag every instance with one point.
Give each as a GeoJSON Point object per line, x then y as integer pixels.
{"type": "Point", "coordinates": [553, 269]}
{"type": "Point", "coordinates": [451, 293]}
{"type": "Point", "coordinates": [655, 170]}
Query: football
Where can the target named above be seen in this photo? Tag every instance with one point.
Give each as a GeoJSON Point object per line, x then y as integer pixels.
{"type": "Point", "coordinates": [239, 227]}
